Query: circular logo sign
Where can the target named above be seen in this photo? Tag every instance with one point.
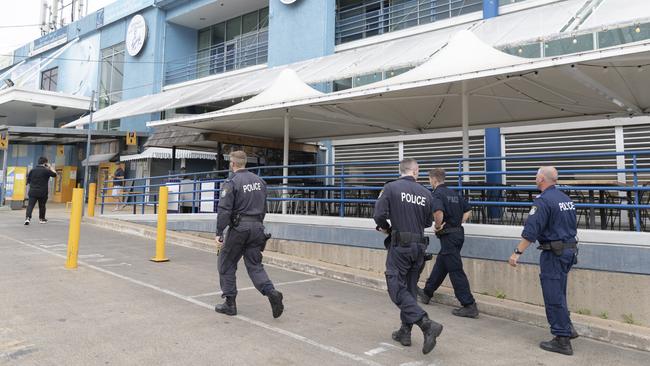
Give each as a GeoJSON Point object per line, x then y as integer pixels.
{"type": "Point", "coordinates": [287, 2]}
{"type": "Point", "coordinates": [136, 34]}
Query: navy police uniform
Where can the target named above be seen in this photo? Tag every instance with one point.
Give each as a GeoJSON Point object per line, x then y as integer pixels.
{"type": "Point", "coordinates": [552, 222]}
{"type": "Point", "coordinates": [407, 205]}
{"type": "Point", "coordinates": [452, 237]}
{"type": "Point", "coordinates": [242, 207]}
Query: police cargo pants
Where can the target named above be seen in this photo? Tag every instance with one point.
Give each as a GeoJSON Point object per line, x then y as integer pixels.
{"type": "Point", "coordinates": [246, 241]}
{"type": "Point", "coordinates": [449, 262]}
{"type": "Point", "coordinates": [554, 271]}
{"type": "Point", "coordinates": [403, 265]}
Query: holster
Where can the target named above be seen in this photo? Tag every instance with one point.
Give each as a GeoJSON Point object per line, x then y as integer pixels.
{"type": "Point", "coordinates": [388, 239]}
{"type": "Point", "coordinates": [557, 247]}
{"type": "Point", "coordinates": [267, 236]}
{"type": "Point", "coordinates": [405, 238]}
{"type": "Point", "coordinates": [447, 231]}
{"type": "Point", "coordinates": [235, 220]}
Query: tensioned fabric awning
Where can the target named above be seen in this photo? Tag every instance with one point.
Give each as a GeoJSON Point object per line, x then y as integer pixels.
{"type": "Point", "coordinates": [97, 159]}
{"type": "Point", "coordinates": [467, 79]}
{"type": "Point", "coordinates": [394, 54]}
{"type": "Point", "coordinates": [251, 116]}
{"type": "Point", "coordinates": [162, 153]}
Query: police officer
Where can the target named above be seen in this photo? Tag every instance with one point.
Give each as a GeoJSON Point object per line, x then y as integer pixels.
{"type": "Point", "coordinates": [552, 222]}
{"type": "Point", "coordinates": [450, 212]}
{"type": "Point", "coordinates": [242, 207]}
{"type": "Point", "coordinates": [407, 205]}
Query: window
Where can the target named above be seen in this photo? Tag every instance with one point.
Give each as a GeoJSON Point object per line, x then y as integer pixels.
{"type": "Point", "coordinates": [49, 79]}
{"type": "Point", "coordinates": [111, 81]}
{"type": "Point", "coordinates": [235, 43]}
{"type": "Point", "coordinates": [357, 19]}
{"type": "Point", "coordinates": [360, 80]}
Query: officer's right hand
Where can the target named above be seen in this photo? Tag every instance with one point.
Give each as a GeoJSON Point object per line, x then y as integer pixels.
{"type": "Point", "coordinates": [219, 240]}
{"type": "Point", "coordinates": [513, 259]}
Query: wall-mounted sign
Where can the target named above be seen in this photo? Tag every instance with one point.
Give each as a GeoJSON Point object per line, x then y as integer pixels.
{"type": "Point", "coordinates": [131, 138]}
{"type": "Point", "coordinates": [136, 34]}
{"type": "Point", "coordinates": [99, 18]}
{"type": "Point", "coordinates": [49, 41]}
{"type": "Point", "coordinates": [287, 2]}
{"type": "Point", "coordinates": [4, 141]}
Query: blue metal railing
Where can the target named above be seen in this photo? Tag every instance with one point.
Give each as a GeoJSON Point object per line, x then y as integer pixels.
{"type": "Point", "coordinates": [373, 17]}
{"type": "Point", "coordinates": [247, 50]}
{"type": "Point", "coordinates": [308, 192]}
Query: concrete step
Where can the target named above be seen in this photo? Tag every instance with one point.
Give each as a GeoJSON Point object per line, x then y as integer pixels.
{"type": "Point", "coordinates": [626, 335]}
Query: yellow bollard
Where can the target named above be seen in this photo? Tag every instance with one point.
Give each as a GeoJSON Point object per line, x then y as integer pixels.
{"type": "Point", "coordinates": [92, 195]}
{"type": "Point", "coordinates": [75, 227]}
{"type": "Point", "coordinates": [163, 196]}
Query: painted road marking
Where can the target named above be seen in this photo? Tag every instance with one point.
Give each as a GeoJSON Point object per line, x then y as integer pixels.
{"type": "Point", "coordinates": [253, 288]}
{"type": "Point", "coordinates": [257, 323]}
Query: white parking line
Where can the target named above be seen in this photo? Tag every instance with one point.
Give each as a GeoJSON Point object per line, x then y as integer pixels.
{"type": "Point", "coordinates": [375, 351]}
{"type": "Point", "coordinates": [257, 323]}
{"type": "Point", "coordinates": [253, 288]}
{"type": "Point", "coordinates": [53, 246]}
{"type": "Point", "coordinates": [86, 256]}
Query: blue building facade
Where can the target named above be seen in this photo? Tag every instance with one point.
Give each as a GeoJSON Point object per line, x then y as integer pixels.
{"type": "Point", "coordinates": [189, 42]}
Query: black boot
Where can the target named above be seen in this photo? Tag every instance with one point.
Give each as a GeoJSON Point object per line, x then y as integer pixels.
{"type": "Point", "coordinates": [423, 296]}
{"type": "Point", "coordinates": [467, 311]}
{"type": "Point", "coordinates": [403, 335]}
{"type": "Point", "coordinates": [574, 333]}
{"type": "Point", "coordinates": [229, 307]}
{"type": "Point", "coordinates": [558, 344]}
{"type": "Point", "coordinates": [431, 330]}
{"type": "Point", "coordinates": [275, 298]}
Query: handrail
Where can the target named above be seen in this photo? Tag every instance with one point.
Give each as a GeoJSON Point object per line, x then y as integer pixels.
{"type": "Point", "coordinates": [344, 190]}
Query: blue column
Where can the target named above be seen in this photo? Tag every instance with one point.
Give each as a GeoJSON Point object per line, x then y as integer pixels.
{"type": "Point", "coordinates": [493, 149]}
{"type": "Point", "coordinates": [300, 31]}
{"type": "Point", "coordinates": [490, 8]}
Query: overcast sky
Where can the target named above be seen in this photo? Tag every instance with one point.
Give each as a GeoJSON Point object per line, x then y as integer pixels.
{"type": "Point", "coordinates": [27, 12]}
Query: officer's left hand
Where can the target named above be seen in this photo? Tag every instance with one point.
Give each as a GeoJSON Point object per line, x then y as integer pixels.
{"type": "Point", "coordinates": [513, 259]}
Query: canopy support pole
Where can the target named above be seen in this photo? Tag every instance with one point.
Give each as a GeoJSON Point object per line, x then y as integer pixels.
{"type": "Point", "coordinates": [285, 161]}
{"type": "Point", "coordinates": [3, 188]}
{"type": "Point", "coordinates": [173, 160]}
{"type": "Point", "coordinates": [465, 120]}
{"type": "Point", "coordinates": [91, 108]}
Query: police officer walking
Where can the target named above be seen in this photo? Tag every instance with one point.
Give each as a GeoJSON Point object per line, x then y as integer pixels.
{"type": "Point", "coordinates": [407, 205]}
{"type": "Point", "coordinates": [450, 212]}
{"type": "Point", "coordinates": [242, 207]}
{"type": "Point", "coordinates": [552, 222]}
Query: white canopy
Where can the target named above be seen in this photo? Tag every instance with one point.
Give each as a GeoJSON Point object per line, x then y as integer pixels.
{"type": "Point", "coordinates": [388, 55]}
{"type": "Point", "coordinates": [98, 159]}
{"type": "Point", "coordinates": [491, 89]}
{"type": "Point", "coordinates": [271, 106]}
{"type": "Point", "coordinates": [163, 153]}
{"type": "Point", "coordinates": [287, 87]}
{"type": "Point", "coordinates": [463, 54]}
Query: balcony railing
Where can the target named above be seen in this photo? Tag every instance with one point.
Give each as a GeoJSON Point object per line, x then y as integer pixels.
{"type": "Point", "coordinates": [371, 18]}
{"type": "Point", "coordinates": [246, 50]}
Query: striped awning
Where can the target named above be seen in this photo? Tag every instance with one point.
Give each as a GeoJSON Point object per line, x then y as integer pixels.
{"type": "Point", "coordinates": [162, 153]}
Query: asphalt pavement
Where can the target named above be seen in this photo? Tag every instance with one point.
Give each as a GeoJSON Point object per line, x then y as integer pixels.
{"type": "Point", "coordinates": [119, 308]}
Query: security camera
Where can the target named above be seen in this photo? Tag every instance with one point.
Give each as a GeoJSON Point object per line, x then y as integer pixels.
{"type": "Point", "coordinates": [54, 107]}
